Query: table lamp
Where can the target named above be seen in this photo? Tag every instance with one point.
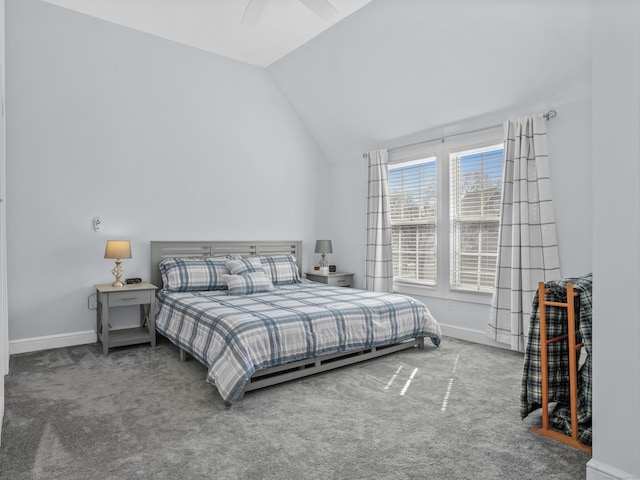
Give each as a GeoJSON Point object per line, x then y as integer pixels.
{"type": "Point", "coordinates": [118, 249]}
{"type": "Point", "coordinates": [323, 247]}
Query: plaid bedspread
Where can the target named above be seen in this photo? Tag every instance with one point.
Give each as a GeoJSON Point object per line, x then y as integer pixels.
{"type": "Point", "coordinates": [233, 336]}
{"type": "Point", "coordinates": [558, 356]}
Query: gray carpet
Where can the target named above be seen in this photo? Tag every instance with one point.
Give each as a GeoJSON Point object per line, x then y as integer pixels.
{"type": "Point", "coordinates": [140, 413]}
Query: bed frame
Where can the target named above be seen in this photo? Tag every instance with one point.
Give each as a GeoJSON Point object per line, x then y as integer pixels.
{"type": "Point", "coordinates": [280, 373]}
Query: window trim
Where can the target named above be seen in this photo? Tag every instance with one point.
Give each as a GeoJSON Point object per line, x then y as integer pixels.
{"type": "Point", "coordinates": [441, 149]}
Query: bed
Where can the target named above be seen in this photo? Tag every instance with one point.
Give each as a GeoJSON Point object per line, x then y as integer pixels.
{"type": "Point", "coordinates": [244, 310]}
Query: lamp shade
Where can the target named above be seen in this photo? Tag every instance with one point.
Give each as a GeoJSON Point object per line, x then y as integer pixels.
{"type": "Point", "coordinates": [118, 249]}
{"type": "Point", "coordinates": [323, 246]}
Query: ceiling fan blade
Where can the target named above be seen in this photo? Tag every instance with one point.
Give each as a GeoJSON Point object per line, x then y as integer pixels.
{"type": "Point", "coordinates": [323, 8]}
{"type": "Point", "coordinates": [253, 12]}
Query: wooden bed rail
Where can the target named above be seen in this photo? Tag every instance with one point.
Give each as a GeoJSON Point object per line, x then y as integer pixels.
{"type": "Point", "coordinates": [574, 348]}
{"type": "Point", "coordinates": [310, 366]}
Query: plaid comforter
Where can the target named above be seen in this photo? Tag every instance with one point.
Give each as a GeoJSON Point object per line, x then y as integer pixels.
{"type": "Point", "coordinates": [233, 336]}
{"type": "Point", "coordinates": [558, 356]}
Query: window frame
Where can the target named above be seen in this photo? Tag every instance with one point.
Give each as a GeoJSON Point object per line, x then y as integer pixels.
{"type": "Point", "coordinates": [441, 149]}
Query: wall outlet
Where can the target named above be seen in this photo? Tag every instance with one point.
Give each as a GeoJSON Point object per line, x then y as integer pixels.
{"type": "Point", "coordinates": [450, 304]}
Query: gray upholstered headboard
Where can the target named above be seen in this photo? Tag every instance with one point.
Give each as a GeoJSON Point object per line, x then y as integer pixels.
{"type": "Point", "coordinates": [161, 250]}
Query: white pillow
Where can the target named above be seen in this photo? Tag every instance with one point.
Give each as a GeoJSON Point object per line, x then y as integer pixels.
{"type": "Point", "coordinates": [241, 266]}
{"type": "Point", "coordinates": [253, 282]}
{"type": "Point", "coordinates": [282, 269]}
{"type": "Point", "coordinates": [193, 274]}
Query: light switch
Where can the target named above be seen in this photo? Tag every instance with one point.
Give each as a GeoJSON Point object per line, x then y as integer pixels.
{"type": "Point", "coordinates": [96, 224]}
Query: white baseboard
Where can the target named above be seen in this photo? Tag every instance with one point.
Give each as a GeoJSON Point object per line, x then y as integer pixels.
{"type": "Point", "coordinates": [601, 471]}
{"type": "Point", "coordinates": [34, 344]}
{"type": "Point", "coordinates": [470, 335]}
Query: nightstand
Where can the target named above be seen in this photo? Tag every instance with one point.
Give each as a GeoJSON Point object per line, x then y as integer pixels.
{"type": "Point", "coordinates": [141, 294]}
{"type": "Point", "coordinates": [337, 279]}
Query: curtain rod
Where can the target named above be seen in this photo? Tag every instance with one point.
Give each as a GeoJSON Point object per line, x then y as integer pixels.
{"type": "Point", "coordinates": [547, 116]}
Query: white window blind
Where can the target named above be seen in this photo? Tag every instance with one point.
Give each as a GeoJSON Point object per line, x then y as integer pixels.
{"type": "Point", "coordinates": [413, 204]}
{"type": "Point", "coordinates": [475, 194]}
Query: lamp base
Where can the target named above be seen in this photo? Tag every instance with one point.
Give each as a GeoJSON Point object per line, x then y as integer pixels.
{"type": "Point", "coordinates": [117, 272]}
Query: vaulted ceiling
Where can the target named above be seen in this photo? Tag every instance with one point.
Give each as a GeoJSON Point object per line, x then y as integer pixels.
{"type": "Point", "coordinates": [221, 26]}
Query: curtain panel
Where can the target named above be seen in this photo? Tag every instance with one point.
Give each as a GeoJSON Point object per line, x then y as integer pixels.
{"type": "Point", "coordinates": [527, 250]}
{"type": "Point", "coordinates": [378, 269]}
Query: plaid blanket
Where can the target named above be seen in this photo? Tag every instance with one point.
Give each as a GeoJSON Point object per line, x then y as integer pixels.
{"type": "Point", "coordinates": [558, 356]}
{"type": "Point", "coordinates": [233, 336]}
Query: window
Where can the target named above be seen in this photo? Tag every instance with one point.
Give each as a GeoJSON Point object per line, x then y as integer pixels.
{"type": "Point", "coordinates": [475, 179]}
{"type": "Point", "coordinates": [445, 215]}
{"type": "Point", "coordinates": [413, 188]}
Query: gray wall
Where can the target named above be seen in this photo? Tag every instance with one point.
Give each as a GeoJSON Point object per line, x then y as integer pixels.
{"type": "Point", "coordinates": [616, 219]}
{"type": "Point", "coordinates": [400, 72]}
{"type": "Point", "coordinates": [162, 141]}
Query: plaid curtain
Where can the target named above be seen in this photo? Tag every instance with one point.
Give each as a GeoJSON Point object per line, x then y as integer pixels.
{"type": "Point", "coordinates": [528, 250]}
{"type": "Point", "coordinates": [378, 266]}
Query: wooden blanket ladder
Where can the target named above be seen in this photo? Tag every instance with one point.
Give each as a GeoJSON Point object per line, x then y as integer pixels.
{"type": "Point", "coordinates": [574, 348]}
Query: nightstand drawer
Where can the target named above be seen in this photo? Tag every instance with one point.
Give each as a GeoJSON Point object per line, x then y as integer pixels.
{"type": "Point", "coordinates": [119, 299]}
{"type": "Point", "coordinates": [341, 281]}
{"type": "Point", "coordinates": [337, 279]}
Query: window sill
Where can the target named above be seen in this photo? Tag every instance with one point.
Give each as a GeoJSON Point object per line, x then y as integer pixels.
{"type": "Point", "coordinates": [483, 298]}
